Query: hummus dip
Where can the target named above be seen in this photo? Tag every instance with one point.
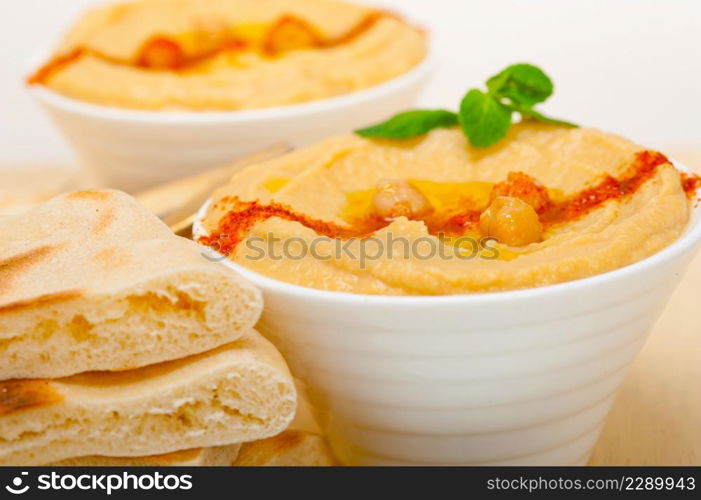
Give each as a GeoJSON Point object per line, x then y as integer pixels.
{"type": "Point", "coordinates": [544, 206]}
{"type": "Point", "coordinates": [229, 54]}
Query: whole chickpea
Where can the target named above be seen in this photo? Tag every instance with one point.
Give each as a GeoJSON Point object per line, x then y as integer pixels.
{"type": "Point", "coordinates": [396, 198]}
{"type": "Point", "coordinates": [512, 221]}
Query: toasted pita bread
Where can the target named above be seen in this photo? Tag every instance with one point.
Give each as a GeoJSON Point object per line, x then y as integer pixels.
{"type": "Point", "coordinates": [301, 444]}
{"type": "Point", "coordinates": [290, 448]}
{"type": "Point", "coordinates": [239, 392]}
{"type": "Point", "coordinates": [216, 456]}
{"type": "Point", "coordinates": [91, 280]}
{"type": "Point", "coordinates": [197, 457]}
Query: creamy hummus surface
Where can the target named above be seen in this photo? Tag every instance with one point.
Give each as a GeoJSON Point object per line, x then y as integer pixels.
{"type": "Point", "coordinates": [596, 202]}
{"type": "Point", "coordinates": [229, 54]}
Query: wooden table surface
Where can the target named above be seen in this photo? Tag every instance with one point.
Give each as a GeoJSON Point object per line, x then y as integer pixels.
{"type": "Point", "coordinates": [656, 418]}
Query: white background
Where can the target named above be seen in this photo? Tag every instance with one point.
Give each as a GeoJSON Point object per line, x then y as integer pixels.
{"type": "Point", "coordinates": [629, 66]}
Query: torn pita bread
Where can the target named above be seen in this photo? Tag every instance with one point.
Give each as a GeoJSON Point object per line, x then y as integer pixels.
{"type": "Point", "coordinates": [91, 280]}
{"type": "Point", "coordinates": [290, 448]}
{"type": "Point", "coordinates": [217, 456]}
{"type": "Point", "coordinates": [301, 444]}
{"type": "Point", "coordinates": [239, 392]}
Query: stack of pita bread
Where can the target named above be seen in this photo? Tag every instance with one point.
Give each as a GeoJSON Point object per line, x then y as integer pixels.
{"type": "Point", "coordinates": [121, 344]}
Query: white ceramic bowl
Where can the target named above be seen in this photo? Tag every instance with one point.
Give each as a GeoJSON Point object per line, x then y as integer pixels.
{"type": "Point", "coordinates": [133, 150]}
{"type": "Point", "coordinates": [522, 377]}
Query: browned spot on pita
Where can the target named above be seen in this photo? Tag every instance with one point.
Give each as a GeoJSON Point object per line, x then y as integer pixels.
{"type": "Point", "coordinates": [24, 260]}
{"type": "Point", "coordinates": [175, 456]}
{"type": "Point", "coordinates": [124, 368]}
{"type": "Point", "coordinates": [286, 440]}
{"type": "Point", "coordinates": [42, 300]}
{"type": "Point", "coordinates": [15, 265]}
{"type": "Point", "coordinates": [90, 195]}
{"type": "Point", "coordinates": [104, 220]}
{"type": "Point", "coordinates": [291, 447]}
{"type": "Point", "coordinates": [111, 257]}
{"type": "Point", "coordinates": [17, 395]}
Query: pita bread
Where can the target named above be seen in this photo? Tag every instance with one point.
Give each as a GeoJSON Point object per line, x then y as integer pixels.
{"type": "Point", "coordinates": [291, 448]}
{"type": "Point", "coordinates": [304, 420]}
{"type": "Point", "coordinates": [239, 392]}
{"type": "Point", "coordinates": [302, 444]}
{"type": "Point", "coordinates": [91, 280]}
{"type": "Point", "coordinates": [217, 456]}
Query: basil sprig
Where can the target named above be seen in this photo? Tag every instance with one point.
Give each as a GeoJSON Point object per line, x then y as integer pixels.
{"type": "Point", "coordinates": [411, 124]}
{"type": "Point", "coordinates": [484, 116]}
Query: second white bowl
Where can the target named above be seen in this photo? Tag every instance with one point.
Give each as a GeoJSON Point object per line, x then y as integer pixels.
{"type": "Point", "coordinates": [133, 150]}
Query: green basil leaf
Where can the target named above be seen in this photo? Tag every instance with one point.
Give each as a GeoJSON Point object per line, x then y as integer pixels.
{"type": "Point", "coordinates": [411, 124]}
{"type": "Point", "coordinates": [531, 113]}
{"type": "Point", "coordinates": [523, 84]}
{"type": "Point", "coordinates": [483, 118]}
